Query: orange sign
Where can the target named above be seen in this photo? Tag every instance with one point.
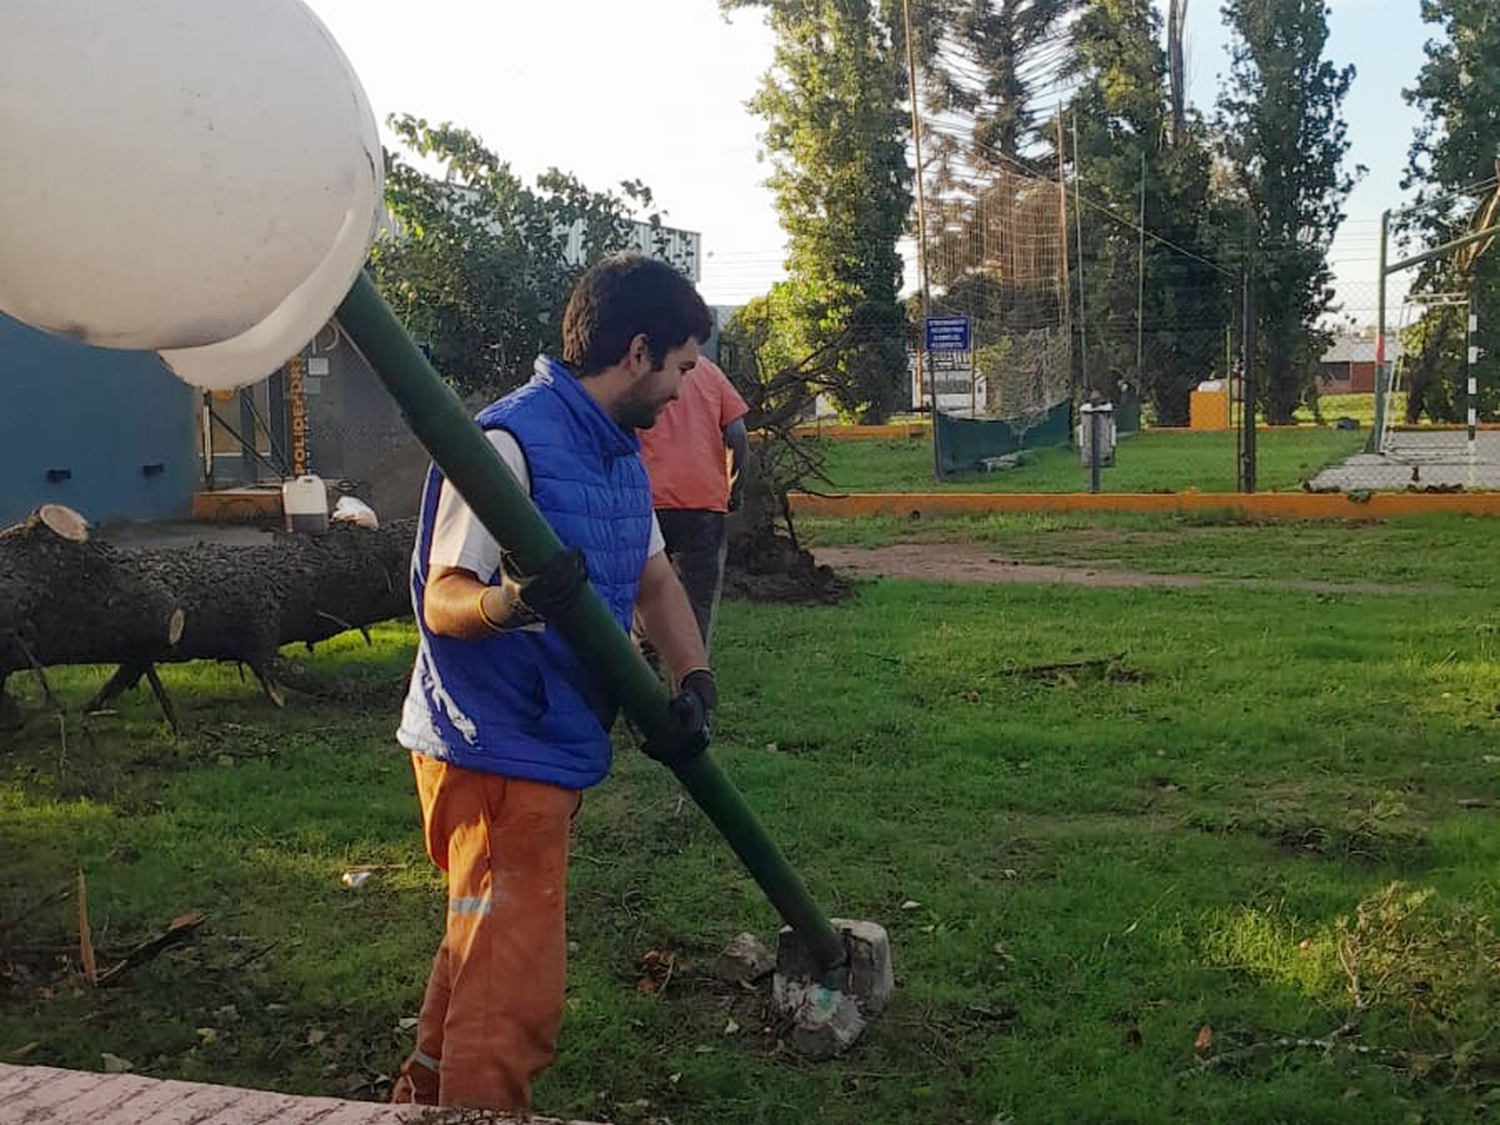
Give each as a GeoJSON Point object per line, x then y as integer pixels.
{"type": "Point", "coordinates": [297, 412]}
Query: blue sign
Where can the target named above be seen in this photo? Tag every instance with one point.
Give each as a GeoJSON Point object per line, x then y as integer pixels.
{"type": "Point", "coordinates": [947, 333]}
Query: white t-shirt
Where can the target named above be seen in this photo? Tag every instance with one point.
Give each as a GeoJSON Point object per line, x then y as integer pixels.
{"type": "Point", "coordinates": [458, 538]}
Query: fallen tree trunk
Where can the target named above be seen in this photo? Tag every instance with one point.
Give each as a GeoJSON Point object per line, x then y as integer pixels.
{"type": "Point", "coordinates": [68, 599]}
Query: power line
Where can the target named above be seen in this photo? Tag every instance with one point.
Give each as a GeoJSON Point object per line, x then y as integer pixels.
{"type": "Point", "coordinates": [1153, 236]}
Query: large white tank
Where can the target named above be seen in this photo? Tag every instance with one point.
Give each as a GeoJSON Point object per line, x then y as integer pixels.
{"type": "Point", "coordinates": [200, 178]}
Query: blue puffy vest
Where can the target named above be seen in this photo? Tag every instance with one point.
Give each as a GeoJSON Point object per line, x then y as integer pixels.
{"type": "Point", "coordinates": [521, 704]}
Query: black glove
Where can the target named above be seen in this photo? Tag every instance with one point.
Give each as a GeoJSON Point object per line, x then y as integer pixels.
{"type": "Point", "coordinates": [698, 685]}
{"type": "Point", "coordinates": [689, 710]}
{"type": "Point", "coordinates": [551, 591]}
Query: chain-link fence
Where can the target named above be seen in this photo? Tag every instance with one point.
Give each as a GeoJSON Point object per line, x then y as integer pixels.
{"type": "Point", "coordinates": [1414, 414]}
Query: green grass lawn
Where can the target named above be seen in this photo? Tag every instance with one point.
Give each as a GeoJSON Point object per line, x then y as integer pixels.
{"type": "Point", "coordinates": [1081, 870]}
{"type": "Point", "coordinates": [1359, 407]}
{"type": "Point", "coordinates": [1146, 462]}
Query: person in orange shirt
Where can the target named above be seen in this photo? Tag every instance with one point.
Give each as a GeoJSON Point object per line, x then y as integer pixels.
{"type": "Point", "coordinates": [694, 456]}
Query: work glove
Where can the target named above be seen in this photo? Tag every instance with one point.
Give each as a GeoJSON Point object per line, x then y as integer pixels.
{"type": "Point", "coordinates": [689, 712]}
{"type": "Point", "coordinates": [696, 694]}
{"type": "Point", "coordinates": [552, 590]}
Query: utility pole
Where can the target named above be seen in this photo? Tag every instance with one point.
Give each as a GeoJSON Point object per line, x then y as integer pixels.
{"type": "Point", "coordinates": [1083, 334]}
{"type": "Point", "coordinates": [1140, 296]}
{"type": "Point", "coordinates": [1247, 383]}
{"type": "Point", "coordinates": [916, 140]}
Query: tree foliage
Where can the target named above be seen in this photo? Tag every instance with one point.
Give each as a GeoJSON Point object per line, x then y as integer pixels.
{"type": "Point", "coordinates": [480, 264]}
{"type": "Point", "coordinates": [761, 338]}
{"type": "Point", "coordinates": [1124, 111]}
{"type": "Point", "coordinates": [1286, 140]}
{"type": "Point", "coordinates": [835, 132]}
{"type": "Point", "coordinates": [1453, 165]}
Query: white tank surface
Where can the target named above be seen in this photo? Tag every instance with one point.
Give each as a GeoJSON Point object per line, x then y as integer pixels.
{"type": "Point", "coordinates": [200, 178]}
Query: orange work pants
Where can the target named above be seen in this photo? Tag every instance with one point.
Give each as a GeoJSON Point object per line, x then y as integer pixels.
{"type": "Point", "coordinates": [494, 999]}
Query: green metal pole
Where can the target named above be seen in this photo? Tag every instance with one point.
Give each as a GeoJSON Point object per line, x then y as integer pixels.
{"type": "Point", "coordinates": [459, 449]}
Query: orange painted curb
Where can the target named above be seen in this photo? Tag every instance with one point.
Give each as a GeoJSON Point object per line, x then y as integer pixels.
{"type": "Point", "coordinates": [866, 433]}
{"type": "Point", "coordinates": [1258, 505]}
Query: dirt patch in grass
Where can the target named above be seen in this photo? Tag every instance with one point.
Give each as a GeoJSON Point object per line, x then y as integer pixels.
{"type": "Point", "coordinates": [946, 562]}
{"type": "Point", "coordinates": [949, 562]}
{"type": "Point", "coordinates": [1380, 833]}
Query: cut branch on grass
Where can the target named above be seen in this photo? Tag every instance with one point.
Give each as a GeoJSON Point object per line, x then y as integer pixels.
{"type": "Point", "coordinates": [1339, 1039]}
{"type": "Point", "coordinates": [163, 700]}
{"type": "Point", "coordinates": [178, 930]}
{"type": "Point", "coordinates": [766, 560]}
{"type": "Point", "coordinates": [255, 955]}
{"type": "Point", "coordinates": [125, 677]}
{"type": "Point", "coordinates": [86, 959]}
{"type": "Point", "coordinates": [360, 629]}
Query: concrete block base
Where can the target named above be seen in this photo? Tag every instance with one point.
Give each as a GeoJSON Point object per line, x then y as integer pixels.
{"type": "Point", "coordinates": [826, 1023]}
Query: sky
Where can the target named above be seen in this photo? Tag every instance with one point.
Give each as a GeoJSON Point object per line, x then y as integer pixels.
{"type": "Point", "coordinates": [616, 91]}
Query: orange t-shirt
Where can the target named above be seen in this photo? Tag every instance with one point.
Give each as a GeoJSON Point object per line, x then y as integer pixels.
{"type": "Point", "coordinates": [684, 451]}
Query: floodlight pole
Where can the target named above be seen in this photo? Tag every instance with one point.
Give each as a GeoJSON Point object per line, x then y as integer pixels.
{"type": "Point", "coordinates": [1083, 333]}
{"type": "Point", "coordinates": [1140, 296]}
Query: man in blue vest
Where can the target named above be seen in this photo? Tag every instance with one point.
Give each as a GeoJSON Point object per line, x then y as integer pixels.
{"type": "Point", "coordinates": [505, 724]}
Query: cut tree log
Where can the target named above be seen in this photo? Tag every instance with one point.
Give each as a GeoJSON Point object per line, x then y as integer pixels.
{"type": "Point", "coordinates": [68, 599]}
{"type": "Point", "coordinates": [244, 603]}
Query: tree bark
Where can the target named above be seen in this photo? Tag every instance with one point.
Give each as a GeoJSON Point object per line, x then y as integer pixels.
{"type": "Point", "coordinates": [68, 599]}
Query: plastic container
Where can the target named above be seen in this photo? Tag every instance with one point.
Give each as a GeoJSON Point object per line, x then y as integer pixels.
{"type": "Point", "coordinates": [304, 500]}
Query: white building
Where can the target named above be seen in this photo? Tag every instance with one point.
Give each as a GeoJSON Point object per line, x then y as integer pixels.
{"type": "Point", "coordinates": [682, 248]}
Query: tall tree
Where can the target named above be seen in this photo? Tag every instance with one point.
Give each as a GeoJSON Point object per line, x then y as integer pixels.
{"type": "Point", "coordinates": [1453, 165]}
{"type": "Point", "coordinates": [480, 265]}
{"type": "Point", "coordinates": [1285, 138]}
{"type": "Point", "coordinates": [986, 64]}
{"type": "Point", "coordinates": [1156, 308]}
{"type": "Point", "coordinates": [836, 127]}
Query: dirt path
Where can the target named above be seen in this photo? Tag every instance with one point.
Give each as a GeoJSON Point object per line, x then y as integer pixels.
{"type": "Point", "coordinates": [951, 562]}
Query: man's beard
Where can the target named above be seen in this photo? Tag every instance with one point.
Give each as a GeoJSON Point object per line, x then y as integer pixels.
{"type": "Point", "coordinates": [637, 414]}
